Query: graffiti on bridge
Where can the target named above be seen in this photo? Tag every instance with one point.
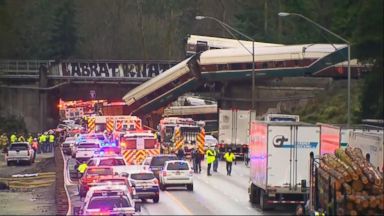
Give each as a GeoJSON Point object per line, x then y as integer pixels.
{"type": "Point", "coordinates": [123, 70]}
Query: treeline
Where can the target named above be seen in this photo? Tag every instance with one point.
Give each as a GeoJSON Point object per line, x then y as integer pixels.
{"type": "Point", "coordinates": [155, 29]}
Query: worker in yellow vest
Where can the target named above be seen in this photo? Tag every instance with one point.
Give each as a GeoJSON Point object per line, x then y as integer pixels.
{"type": "Point", "coordinates": [13, 138]}
{"type": "Point", "coordinates": [21, 138]}
{"type": "Point", "coordinates": [81, 169]}
{"type": "Point", "coordinates": [30, 139]}
{"type": "Point", "coordinates": [229, 158]}
{"type": "Point", "coordinates": [51, 139]}
{"type": "Point", "coordinates": [211, 155]}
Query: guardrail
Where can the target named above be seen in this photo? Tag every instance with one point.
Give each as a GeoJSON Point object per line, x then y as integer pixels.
{"type": "Point", "coordinates": [22, 67]}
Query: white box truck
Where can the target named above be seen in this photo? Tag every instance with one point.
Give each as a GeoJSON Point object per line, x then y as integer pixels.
{"type": "Point", "coordinates": [280, 160]}
{"type": "Point", "coordinates": [234, 130]}
{"type": "Point", "coordinates": [345, 132]}
{"type": "Point", "coordinates": [371, 144]}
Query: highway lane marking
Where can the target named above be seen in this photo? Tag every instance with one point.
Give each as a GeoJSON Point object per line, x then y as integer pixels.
{"type": "Point", "coordinates": [179, 203]}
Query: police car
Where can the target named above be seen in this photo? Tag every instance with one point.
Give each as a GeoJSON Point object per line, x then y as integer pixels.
{"type": "Point", "coordinates": [145, 183]}
{"type": "Point", "coordinates": [86, 149]}
{"type": "Point", "coordinates": [109, 200]}
{"type": "Point", "coordinates": [176, 173]}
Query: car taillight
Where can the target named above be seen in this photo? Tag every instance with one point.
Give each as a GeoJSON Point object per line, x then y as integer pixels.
{"type": "Point", "coordinates": [29, 153]}
{"type": "Point", "coordinates": [190, 172]}
{"type": "Point", "coordinates": [164, 173]}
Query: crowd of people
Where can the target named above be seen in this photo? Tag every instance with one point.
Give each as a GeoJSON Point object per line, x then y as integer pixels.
{"type": "Point", "coordinates": [40, 142]}
{"type": "Point", "coordinates": [213, 155]}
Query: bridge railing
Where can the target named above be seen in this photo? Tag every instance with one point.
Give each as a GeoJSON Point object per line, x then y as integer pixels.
{"type": "Point", "coordinates": [22, 68]}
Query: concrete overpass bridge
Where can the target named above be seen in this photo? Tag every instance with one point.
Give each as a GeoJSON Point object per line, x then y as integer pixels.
{"type": "Point", "coordinates": [32, 89]}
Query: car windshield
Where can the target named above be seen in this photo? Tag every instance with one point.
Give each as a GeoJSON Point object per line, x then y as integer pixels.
{"type": "Point", "coordinates": [100, 171]}
{"type": "Point", "coordinates": [112, 162]}
{"type": "Point", "coordinates": [109, 202]}
{"type": "Point", "coordinates": [88, 145]}
{"type": "Point", "coordinates": [19, 146]}
{"type": "Point", "coordinates": [160, 161]}
{"type": "Point", "coordinates": [178, 166]}
{"type": "Point", "coordinates": [142, 176]}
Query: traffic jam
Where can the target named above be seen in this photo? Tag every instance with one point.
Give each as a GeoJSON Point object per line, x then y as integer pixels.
{"type": "Point", "coordinates": [117, 162]}
{"type": "Point", "coordinates": [117, 166]}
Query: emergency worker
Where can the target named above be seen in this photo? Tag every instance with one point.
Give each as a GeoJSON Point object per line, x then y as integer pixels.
{"type": "Point", "coordinates": [180, 154]}
{"type": "Point", "coordinates": [51, 141]}
{"type": "Point", "coordinates": [13, 138]}
{"type": "Point", "coordinates": [217, 158]}
{"type": "Point", "coordinates": [210, 154]}
{"type": "Point", "coordinates": [21, 138]}
{"type": "Point", "coordinates": [3, 141]}
{"type": "Point", "coordinates": [229, 158]}
{"type": "Point", "coordinates": [81, 169]}
{"type": "Point", "coordinates": [35, 146]}
{"type": "Point", "coordinates": [30, 139]}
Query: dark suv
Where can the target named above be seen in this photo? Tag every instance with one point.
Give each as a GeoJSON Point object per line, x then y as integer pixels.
{"type": "Point", "coordinates": [158, 162]}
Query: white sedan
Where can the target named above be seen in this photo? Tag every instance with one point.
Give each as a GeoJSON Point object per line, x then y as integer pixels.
{"type": "Point", "coordinates": [176, 173]}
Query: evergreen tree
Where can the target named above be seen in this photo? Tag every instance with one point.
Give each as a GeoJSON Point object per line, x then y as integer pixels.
{"type": "Point", "coordinates": [64, 35]}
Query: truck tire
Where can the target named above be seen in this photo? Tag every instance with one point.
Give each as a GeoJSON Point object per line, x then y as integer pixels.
{"type": "Point", "coordinates": [29, 162]}
{"type": "Point", "coordinates": [254, 195]}
{"type": "Point", "coordinates": [263, 200]}
{"type": "Point", "coordinates": [8, 163]}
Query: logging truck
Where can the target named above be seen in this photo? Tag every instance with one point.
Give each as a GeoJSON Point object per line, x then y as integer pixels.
{"type": "Point", "coordinates": [345, 183]}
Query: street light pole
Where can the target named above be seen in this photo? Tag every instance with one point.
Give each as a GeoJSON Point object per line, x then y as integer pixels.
{"type": "Point", "coordinates": [228, 28]}
{"type": "Point", "coordinates": [283, 14]}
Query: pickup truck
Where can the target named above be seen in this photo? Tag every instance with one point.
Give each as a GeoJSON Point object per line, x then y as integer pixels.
{"type": "Point", "coordinates": [20, 151]}
{"type": "Point", "coordinates": [86, 150]}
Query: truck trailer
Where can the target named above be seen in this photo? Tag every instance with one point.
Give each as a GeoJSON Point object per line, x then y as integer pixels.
{"type": "Point", "coordinates": [234, 130]}
{"type": "Point", "coordinates": [280, 160]}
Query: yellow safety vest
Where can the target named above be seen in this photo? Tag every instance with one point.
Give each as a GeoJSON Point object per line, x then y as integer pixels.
{"type": "Point", "coordinates": [82, 168]}
{"type": "Point", "coordinates": [30, 139]}
{"type": "Point", "coordinates": [51, 138]}
{"type": "Point", "coordinates": [229, 157]}
{"type": "Point", "coordinates": [21, 139]}
{"type": "Point", "coordinates": [211, 155]}
{"type": "Point", "coordinates": [13, 138]}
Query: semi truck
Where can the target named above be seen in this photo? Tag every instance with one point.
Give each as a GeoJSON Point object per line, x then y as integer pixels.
{"type": "Point", "coordinates": [234, 130]}
{"type": "Point", "coordinates": [280, 160]}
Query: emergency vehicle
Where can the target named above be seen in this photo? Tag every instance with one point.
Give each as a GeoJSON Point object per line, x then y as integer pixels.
{"type": "Point", "coordinates": [113, 123]}
{"type": "Point", "coordinates": [137, 145]}
{"type": "Point", "coordinates": [179, 133]}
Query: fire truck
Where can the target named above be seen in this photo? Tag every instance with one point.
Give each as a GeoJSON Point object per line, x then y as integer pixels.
{"type": "Point", "coordinates": [176, 133]}
{"type": "Point", "coordinates": [136, 145]}
{"type": "Point", "coordinates": [112, 123]}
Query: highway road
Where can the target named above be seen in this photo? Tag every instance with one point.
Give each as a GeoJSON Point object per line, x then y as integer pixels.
{"type": "Point", "coordinates": [218, 194]}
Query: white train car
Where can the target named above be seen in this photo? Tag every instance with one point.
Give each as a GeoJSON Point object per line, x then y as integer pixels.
{"type": "Point", "coordinates": [163, 88]}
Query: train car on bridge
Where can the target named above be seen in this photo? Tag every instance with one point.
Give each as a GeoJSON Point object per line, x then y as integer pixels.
{"type": "Point", "coordinates": [232, 64]}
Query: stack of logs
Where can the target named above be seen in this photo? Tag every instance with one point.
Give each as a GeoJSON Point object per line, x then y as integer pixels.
{"type": "Point", "coordinates": [358, 185]}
